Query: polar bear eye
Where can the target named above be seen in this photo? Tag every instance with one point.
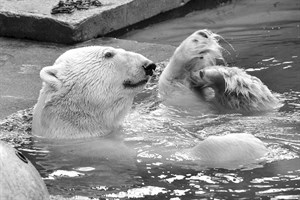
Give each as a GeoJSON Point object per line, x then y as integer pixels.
{"type": "Point", "coordinates": [108, 54]}
{"type": "Point", "coordinates": [202, 53]}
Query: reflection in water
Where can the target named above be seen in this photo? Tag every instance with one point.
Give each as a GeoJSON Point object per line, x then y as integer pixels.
{"type": "Point", "coordinates": [265, 36]}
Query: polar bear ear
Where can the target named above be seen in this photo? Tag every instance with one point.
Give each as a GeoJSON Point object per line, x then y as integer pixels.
{"type": "Point", "coordinates": [49, 76]}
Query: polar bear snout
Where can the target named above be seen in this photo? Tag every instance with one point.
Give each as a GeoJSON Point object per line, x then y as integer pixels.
{"type": "Point", "coordinates": [149, 68]}
{"type": "Point", "coordinates": [209, 78]}
{"type": "Point", "coordinates": [198, 78]}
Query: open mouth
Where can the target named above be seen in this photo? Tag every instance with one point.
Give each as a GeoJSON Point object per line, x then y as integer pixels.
{"type": "Point", "coordinates": [130, 84]}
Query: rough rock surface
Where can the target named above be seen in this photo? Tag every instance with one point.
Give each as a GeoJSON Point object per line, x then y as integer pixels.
{"type": "Point", "coordinates": [33, 19]}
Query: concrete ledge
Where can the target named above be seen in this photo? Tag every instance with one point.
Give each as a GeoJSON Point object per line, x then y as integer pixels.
{"type": "Point", "coordinates": [32, 19]}
{"type": "Point", "coordinates": [21, 62]}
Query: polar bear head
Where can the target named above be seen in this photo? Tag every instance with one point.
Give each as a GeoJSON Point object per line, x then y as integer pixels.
{"type": "Point", "coordinates": [88, 91]}
{"type": "Point", "coordinates": [234, 89]}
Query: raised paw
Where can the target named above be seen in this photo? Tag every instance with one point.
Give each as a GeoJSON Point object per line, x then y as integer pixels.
{"type": "Point", "coordinates": [201, 45]}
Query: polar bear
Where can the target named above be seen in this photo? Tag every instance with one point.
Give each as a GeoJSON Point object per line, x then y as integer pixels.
{"type": "Point", "coordinates": [189, 81]}
{"type": "Point", "coordinates": [226, 89]}
{"type": "Point", "coordinates": [235, 90]}
{"type": "Point", "coordinates": [88, 91]}
{"type": "Point", "coordinates": [19, 179]}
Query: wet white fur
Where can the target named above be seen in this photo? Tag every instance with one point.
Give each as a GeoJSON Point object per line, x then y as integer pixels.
{"type": "Point", "coordinates": [83, 93]}
{"type": "Point", "coordinates": [229, 151]}
{"type": "Point", "coordinates": [18, 179]}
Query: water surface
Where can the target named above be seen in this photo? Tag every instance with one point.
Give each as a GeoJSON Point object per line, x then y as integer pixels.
{"type": "Point", "coordinates": [264, 38]}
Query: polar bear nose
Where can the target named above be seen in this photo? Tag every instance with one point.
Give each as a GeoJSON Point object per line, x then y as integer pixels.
{"type": "Point", "coordinates": [201, 74]}
{"type": "Point", "coordinates": [149, 69]}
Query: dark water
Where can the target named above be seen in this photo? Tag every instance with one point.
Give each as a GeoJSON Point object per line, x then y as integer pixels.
{"type": "Point", "coordinates": [150, 163]}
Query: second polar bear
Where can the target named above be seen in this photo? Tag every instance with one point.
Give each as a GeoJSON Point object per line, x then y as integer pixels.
{"type": "Point", "coordinates": [200, 50]}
